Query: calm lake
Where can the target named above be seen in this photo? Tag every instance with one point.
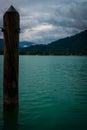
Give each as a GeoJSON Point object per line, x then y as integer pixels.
{"type": "Point", "coordinates": [52, 93]}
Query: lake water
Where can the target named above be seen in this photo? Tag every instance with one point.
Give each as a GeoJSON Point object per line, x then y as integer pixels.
{"type": "Point", "coordinates": [52, 93]}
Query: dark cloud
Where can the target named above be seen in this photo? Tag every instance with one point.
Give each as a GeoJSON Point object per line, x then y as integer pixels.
{"type": "Point", "coordinates": [43, 21]}
{"type": "Point", "coordinates": [78, 14]}
{"type": "Point", "coordinates": [71, 18]}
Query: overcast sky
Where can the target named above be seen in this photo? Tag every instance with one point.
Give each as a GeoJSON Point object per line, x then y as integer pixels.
{"type": "Point", "coordinates": [43, 21]}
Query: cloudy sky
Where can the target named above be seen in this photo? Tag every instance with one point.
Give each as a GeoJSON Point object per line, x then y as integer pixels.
{"type": "Point", "coordinates": [43, 21]}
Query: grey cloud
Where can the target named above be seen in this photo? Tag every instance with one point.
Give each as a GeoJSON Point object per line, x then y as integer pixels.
{"type": "Point", "coordinates": [78, 13]}
{"type": "Point", "coordinates": [72, 18]}
{"type": "Point", "coordinates": [67, 17]}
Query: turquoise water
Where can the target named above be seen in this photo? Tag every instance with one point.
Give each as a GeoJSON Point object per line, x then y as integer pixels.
{"type": "Point", "coordinates": [52, 93]}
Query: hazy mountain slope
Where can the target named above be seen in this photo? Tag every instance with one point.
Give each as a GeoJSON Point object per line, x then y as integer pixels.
{"type": "Point", "coordinates": [76, 44]}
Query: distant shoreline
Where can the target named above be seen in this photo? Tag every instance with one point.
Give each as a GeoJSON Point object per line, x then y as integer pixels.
{"type": "Point", "coordinates": [49, 54]}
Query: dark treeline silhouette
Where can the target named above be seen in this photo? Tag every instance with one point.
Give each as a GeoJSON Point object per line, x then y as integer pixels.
{"type": "Point", "coordinates": [74, 45]}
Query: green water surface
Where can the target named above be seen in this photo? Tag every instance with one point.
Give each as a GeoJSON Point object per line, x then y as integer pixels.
{"type": "Point", "coordinates": [52, 93]}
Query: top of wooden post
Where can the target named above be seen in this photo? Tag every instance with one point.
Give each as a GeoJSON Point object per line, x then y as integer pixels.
{"type": "Point", "coordinates": [11, 9]}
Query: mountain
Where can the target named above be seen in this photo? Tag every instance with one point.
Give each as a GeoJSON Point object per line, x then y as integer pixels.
{"type": "Point", "coordinates": [24, 44]}
{"type": "Point", "coordinates": [74, 45]}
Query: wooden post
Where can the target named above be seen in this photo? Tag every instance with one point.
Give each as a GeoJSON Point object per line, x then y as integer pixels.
{"type": "Point", "coordinates": [11, 58]}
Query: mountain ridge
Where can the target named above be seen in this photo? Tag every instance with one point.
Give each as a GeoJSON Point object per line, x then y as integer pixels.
{"type": "Point", "coordinates": [22, 44]}
{"type": "Point", "coordinates": [73, 45]}
{"type": "Point", "coordinates": [25, 44]}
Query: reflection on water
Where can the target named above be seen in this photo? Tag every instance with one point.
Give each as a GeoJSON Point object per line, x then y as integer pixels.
{"type": "Point", "coordinates": [52, 94]}
{"type": "Point", "coordinates": [10, 120]}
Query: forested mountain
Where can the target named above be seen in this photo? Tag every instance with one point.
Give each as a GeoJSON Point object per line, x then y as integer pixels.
{"type": "Point", "coordinates": [74, 45]}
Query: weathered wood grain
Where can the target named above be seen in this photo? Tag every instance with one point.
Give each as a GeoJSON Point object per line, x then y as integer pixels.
{"type": "Point", "coordinates": [11, 23]}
